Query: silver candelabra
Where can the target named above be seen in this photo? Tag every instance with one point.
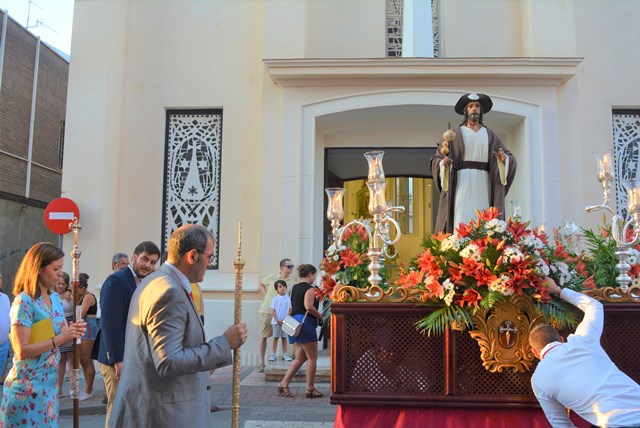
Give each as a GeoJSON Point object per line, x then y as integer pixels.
{"type": "Point", "coordinates": [380, 240]}
{"type": "Point", "coordinates": [620, 228]}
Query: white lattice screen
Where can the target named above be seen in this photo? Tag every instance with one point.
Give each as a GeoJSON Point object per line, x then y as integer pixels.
{"type": "Point", "coordinates": [626, 152]}
{"type": "Point", "coordinates": [192, 172]}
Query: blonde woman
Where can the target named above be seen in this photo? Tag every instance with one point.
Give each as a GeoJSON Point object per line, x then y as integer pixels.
{"type": "Point", "coordinates": [30, 391]}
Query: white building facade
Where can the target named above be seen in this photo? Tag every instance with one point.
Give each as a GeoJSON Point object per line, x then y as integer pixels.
{"type": "Point", "coordinates": [221, 110]}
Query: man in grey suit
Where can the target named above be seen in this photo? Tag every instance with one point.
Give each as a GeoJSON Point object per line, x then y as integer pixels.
{"type": "Point", "coordinates": [165, 374]}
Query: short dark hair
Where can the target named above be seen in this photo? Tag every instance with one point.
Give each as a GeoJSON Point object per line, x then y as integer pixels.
{"type": "Point", "coordinates": [146, 247]}
{"type": "Point", "coordinates": [279, 282]}
{"type": "Point", "coordinates": [541, 335]}
{"type": "Point", "coordinates": [305, 270]}
{"type": "Point", "coordinates": [187, 238]}
{"type": "Point", "coordinates": [283, 262]}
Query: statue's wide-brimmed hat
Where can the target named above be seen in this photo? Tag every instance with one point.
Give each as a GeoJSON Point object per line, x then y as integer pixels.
{"type": "Point", "coordinates": [483, 99]}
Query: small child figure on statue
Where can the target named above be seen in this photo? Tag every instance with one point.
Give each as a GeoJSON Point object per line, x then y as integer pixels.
{"type": "Point", "coordinates": [280, 307]}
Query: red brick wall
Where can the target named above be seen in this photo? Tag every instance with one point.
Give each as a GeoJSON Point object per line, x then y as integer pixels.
{"type": "Point", "coordinates": [15, 113]}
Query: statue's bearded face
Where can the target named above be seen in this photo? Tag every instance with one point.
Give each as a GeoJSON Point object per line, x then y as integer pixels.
{"type": "Point", "coordinates": [474, 111]}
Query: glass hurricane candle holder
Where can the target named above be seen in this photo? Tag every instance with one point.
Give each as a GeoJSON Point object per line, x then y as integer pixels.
{"type": "Point", "coordinates": [374, 159]}
{"type": "Point", "coordinates": [335, 210]}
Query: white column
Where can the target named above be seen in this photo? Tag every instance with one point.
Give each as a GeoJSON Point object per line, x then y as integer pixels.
{"type": "Point", "coordinates": [417, 29]}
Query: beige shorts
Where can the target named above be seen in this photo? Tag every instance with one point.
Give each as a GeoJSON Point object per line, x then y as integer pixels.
{"type": "Point", "coordinates": [266, 330]}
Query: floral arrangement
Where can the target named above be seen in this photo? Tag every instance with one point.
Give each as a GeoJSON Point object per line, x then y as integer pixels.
{"type": "Point", "coordinates": [348, 263]}
{"type": "Point", "coordinates": [487, 261]}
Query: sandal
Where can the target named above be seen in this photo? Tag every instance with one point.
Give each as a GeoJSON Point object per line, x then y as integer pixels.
{"type": "Point", "coordinates": [284, 391]}
{"type": "Point", "coordinates": [313, 393]}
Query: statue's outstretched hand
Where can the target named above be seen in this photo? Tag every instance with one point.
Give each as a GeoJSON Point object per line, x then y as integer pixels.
{"type": "Point", "coordinates": [501, 155]}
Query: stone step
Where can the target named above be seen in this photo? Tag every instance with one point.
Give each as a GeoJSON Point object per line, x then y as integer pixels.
{"type": "Point", "coordinates": [275, 371]}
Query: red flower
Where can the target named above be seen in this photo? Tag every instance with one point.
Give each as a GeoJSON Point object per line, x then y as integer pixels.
{"type": "Point", "coordinates": [464, 230]}
{"type": "Point", "coordinates": [441, 236]}
{"type": "Point", "coordinates": [412, 279]}
{"type": "Point", "coordinates": [518, 229]}
{"type": "Point", "coordinates": [471, 297]}
{"type": "Point", "coordinates": [581, 267]}
{"type": "Point", "coordinates": [329, 267]}
{"type": "Point", "coordinates": [589, 283]}
{"type": "Point", "coordinates": [488, 214]}
{"type": "Point", "coordinates": [350, 258]}
{"type": "Point", "coordinates": [434, 286]}
{"type": "Point", "coordinates": [427, 262]}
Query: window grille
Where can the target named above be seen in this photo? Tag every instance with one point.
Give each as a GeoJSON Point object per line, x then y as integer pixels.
{"type": "Point", "coordinates": [626, 152]}
{"type": "Point", "coordinates": [193, 152]}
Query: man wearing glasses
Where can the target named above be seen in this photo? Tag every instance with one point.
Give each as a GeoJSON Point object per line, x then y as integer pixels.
{"type": "Point", "coordinates": [165, 373]}
{"type": "Point", "coordinates": [268, 290]}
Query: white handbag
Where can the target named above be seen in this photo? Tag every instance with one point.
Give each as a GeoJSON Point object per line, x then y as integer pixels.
{"type": "Point", "coordinates": [291, 326]}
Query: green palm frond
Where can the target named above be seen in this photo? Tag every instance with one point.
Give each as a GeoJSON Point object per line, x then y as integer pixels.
{"type": "Point", "coordinates": [436, 322]}
{"type": "Point", "coordinates": [559, 313]}
{"type": "Point", "coordinates": [492, 298]}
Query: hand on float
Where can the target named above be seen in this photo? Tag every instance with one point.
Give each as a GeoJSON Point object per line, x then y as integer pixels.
{"type": "Point", "coordinates": [552, 287]}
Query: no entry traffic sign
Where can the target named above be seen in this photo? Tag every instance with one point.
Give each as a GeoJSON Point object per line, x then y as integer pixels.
{"type": "Point", "coordinates": [59, 214]}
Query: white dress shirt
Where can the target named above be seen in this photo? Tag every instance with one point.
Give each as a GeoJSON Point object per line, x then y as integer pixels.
{"type": "Point", "coordinates": [579, 375]}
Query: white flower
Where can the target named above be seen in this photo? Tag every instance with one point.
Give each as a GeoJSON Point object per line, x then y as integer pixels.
{"type": "Point", "coordinates": [543, 267]}
{"type": "Point", "coordinates": [472, 251]}
{"type": "Point", "coordinates": [449, 291]}
{"type": "Point", "coordinates": [450, 243]}
{"type": "Point", "coordinates": [495, 226]}
{"type": "Point", "coordinates": [512, 254]}
{"type": "Point", "coordinates": [500, 285]}
{"type": "Point", "coordinates": [532, 241]}
{"type": "Point", "coordinates": [562, 272]}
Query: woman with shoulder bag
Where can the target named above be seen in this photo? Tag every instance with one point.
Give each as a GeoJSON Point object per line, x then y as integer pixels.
{"type": "Point", "coordinates": [304, 301]}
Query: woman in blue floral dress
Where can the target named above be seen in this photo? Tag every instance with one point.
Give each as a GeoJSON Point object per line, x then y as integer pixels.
{"type": "Point", "coordinates": [30, 394]}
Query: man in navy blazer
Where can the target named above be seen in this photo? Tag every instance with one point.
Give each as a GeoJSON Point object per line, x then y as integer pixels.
{"type": "Point", "coordinates": [115, 297]}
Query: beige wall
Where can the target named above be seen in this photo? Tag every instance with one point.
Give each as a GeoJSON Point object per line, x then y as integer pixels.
{"type": "Point", "coordinates": [131, 60]}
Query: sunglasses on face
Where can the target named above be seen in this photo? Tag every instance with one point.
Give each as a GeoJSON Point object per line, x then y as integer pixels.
{"type": "Point", "coordinates": [290, 266]}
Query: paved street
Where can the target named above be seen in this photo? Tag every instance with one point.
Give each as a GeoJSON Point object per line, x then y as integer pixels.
{"type": "Point", "coordinates": [260, 405]}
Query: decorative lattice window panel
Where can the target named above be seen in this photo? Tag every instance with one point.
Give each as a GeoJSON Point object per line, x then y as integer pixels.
{"type": "Point", "coordinates": [626, 152]}
{"type": "Point", "coordinates": [193, 152]}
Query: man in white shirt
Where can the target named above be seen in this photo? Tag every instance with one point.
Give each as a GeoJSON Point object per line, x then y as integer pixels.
{"type": "Point", "coordinates": [578, 374]}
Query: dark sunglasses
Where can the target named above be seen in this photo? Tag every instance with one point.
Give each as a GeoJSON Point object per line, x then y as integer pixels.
{"type": "Point", "coordinates": [290, 266]}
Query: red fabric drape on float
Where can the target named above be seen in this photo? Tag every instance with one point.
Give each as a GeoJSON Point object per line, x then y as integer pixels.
{"type": "Point", "coordinates": [398, 417]}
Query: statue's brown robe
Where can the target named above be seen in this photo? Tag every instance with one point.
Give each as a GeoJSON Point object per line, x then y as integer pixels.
{"type": "Point", "coordinates": [497, 191]}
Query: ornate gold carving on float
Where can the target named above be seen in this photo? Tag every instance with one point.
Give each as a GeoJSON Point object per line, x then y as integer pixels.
{"type": "Point", "coordinates": [502, 333]}
{"type": "Point", "coordinates": [615, 294]}
{"type": "Point", "coordinates": [376, 294]}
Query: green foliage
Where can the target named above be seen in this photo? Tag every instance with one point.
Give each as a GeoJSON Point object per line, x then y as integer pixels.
{"type": "Point", "coordinates": [491, 298]}
{"type": "Point", "coordinates": [559, 313]}
{"type": "Point", "coordinates": [602, 260]}
{"type": "Point", "coordinates": [436, 322]}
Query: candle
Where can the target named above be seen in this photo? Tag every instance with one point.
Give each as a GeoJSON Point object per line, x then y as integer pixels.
{"type": "Point", "coordinates": [605, 165]}
{"type": "Point", "coordinates": [633, 198]}
{"type": "Point", "coordinates": [377, 201]}
{"type": "Point", "coordinates": [374, 159]}
{"type": "Point", "coordinates": [335, 211]}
